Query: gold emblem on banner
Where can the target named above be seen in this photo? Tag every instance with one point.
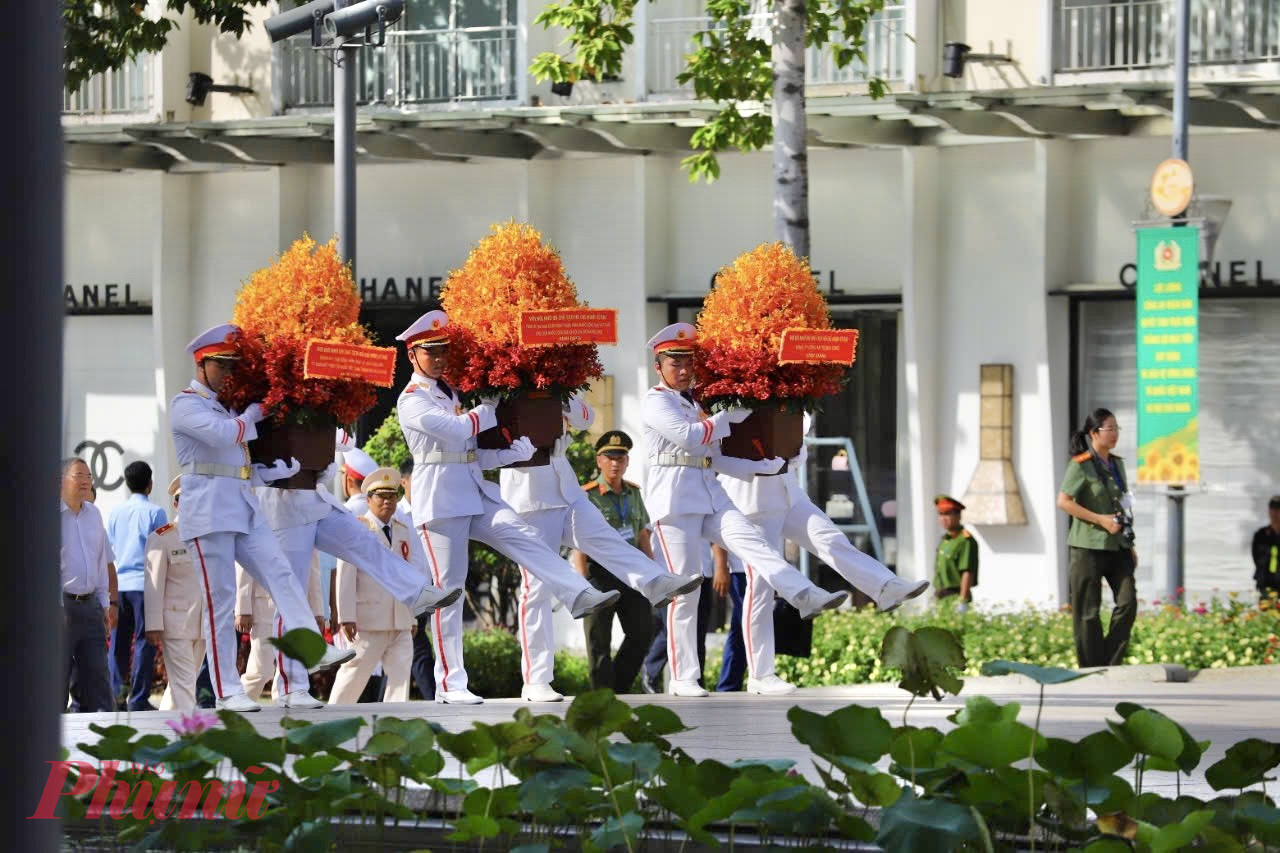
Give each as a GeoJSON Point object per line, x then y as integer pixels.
{"type": "Point", "coordinates": [1171, 187]}
{"type": "Point", "coordinates": [1168, 256]}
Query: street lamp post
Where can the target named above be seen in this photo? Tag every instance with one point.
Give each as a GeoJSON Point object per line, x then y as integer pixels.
{"type": "Point", "coordinates": [1177, 494]}
{"type": "Point", "coordinates": [344, 146]}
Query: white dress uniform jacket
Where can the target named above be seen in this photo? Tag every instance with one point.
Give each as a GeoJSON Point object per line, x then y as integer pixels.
{"type": "Point", "coordinates": [173, 598]}
{"type": "Point", "coordinates": [676, 426]}
{"type": "Point", "coordinates": [450, 490]}
{"type": "Point", "coordinates": [548, 486]}
{"type": "Point", "coordinates": [366, 602]}
{"type": "Point", "coordinates": [204, 431]}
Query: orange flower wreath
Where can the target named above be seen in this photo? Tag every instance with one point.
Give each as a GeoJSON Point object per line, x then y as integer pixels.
{"type": "Point", "coordinates": [508, 272]}
{"type": "Point", "coordinates": [763, 293]}
{"type": "Point", "coordinates": [307, 293]}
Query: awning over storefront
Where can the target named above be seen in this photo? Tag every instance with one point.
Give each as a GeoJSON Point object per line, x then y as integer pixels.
{"type": "Point", "coordinates": [900, 119]}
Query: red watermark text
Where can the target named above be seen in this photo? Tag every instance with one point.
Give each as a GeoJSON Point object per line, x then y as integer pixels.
{"type": "Point", "coordinates": [151, 799]}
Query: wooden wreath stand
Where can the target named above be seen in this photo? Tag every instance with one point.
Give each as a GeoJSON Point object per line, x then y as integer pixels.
{"type": "Point", "coordinates": [771, 431]}
{"type": "Point", "coordinates": [535, 414]}
{"type": "Point", "coordinates": [313, 445]}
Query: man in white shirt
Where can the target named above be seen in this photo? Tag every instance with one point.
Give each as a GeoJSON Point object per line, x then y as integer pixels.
{"type": "Point", "coordinates": [89, 596]}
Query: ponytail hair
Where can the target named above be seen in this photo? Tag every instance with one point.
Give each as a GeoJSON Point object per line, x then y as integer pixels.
{"type": "Point", "coordinates": [1079, 442]}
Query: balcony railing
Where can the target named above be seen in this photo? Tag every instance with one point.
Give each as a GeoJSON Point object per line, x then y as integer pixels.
{"type": "Point", "coordinates": [415, 67]}
{"type": "Point", "coordinates": [125, 91]}
{"type": "Point", "coordinates": [1135, 34]}
{"type": "Point", "coordinates": [671, 40]}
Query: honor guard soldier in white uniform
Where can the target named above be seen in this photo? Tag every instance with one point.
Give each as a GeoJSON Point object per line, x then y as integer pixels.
{"type": "Point", "coordinates": [779, 507]}
{"type": "Point", "coordinates": [380, 627]}
{"type": "Point", "coordinates": [356, 466]}
{"type": "Point", "coordinates": [222, 521]}
{"type": "Point", "coordinates": [453, 503]}
{"type": "Point", "coordinates": [174, 606]}
{"type": "Point", "coordinates": [690, 508]}
{"type": "Point", "coordinates": [314, 518]}
{"type": "Point", "coordinates": [256, 616]}
{"type": "Point", "coordinates": [550, 499]}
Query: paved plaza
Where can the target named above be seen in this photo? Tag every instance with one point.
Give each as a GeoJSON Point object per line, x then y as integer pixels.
{"type": "Point", "coordinates": [1222, 706]}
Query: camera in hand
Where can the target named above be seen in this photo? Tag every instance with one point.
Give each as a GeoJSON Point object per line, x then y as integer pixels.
{"type": "Point", "coordinates": [1125, 519]}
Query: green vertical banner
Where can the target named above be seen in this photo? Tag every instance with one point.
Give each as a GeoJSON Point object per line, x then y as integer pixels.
{"type": "Point", "coordinates": [1168, 303]}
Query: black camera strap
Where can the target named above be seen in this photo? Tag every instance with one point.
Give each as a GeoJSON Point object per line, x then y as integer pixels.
{"type": "Point", "coordinates": [1112, 474]}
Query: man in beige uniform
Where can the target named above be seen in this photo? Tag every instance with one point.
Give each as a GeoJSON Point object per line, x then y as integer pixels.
{"type": "Point", "coordinates": [173, 601]}
{"type": "Point", "coordinates": [380, 628]}
{"type": "Point", "coordinates": [256, 616]}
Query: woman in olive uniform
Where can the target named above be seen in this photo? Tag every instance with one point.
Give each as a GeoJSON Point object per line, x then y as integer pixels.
{"type": "Point", "coordinates": [1100, 542]}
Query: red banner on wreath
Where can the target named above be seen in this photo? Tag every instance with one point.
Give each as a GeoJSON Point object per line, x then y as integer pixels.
{"type": "Point", "coordinates": [568, 326]}
{"type": "Point", "coordinates": [818, 346]}
{"type": "Point", "coordinates": [332, 360]}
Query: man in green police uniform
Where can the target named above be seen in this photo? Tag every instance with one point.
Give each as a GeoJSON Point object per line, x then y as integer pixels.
{"type": "Point", "coordinates": [955, 570]}
{"type": "Point", "coordinates": [620, 503]}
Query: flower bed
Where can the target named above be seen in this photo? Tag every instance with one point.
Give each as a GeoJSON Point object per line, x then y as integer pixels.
{"type": "Point", "coordinates": [846, 644]}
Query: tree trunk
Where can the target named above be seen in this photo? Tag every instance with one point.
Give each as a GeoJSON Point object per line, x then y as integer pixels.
{"type": "Point", "coordinates": [790, 149]}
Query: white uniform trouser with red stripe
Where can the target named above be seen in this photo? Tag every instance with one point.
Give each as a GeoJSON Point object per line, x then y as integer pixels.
{"type": "Point", "coordinates": [811, 529]}
{"type": "Point", "coordinates": [445, 541]}
{"type": "Point", "coordinates": [757, 601]}
{"type": "Point", "coordinates": [682, 540]}
{"type": "Point", "coordinates": [258, 551]}
{"type": "Point", "coordinates": [580, 526]}
{"type": "Point", "coordinates": [342, 535]}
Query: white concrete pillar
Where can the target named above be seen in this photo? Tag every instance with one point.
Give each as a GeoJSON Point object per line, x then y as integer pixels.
{"type": "Point", "coordinates": [171, 322]}
{"type": "Point", "coordinates": [921, 307]}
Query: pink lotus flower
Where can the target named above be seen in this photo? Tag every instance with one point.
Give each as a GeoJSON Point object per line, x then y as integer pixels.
{"type": "Point", "coordinates": [193, 724]}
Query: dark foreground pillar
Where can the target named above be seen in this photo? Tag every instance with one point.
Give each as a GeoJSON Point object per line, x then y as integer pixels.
{"type": "Point", "coordinates": [31, 427]}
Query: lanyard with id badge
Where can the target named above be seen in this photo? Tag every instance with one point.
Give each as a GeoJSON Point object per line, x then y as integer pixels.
{"type": "Point", "coordinates": [622, 503]}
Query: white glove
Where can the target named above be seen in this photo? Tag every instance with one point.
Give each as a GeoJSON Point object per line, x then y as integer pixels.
{"type": "Point", "coordinates": [279, 470]}
{"type": "Point", "coordinates": [521, 450]}
{"type": "Point", "coordinates": [769, 466]}
{"type": "Point", "coordinates": [561, 447]}
{"type": "Point", "coordinates": [491, 402]}
{"type": "Point", "coordinates": [736, 416]}
{"type": "Point", "coordinates": [329, 475]}
{"type": "Point", "coordinates": [252, 413]}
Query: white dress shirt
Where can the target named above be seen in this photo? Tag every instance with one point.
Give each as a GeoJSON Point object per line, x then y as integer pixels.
{"type": "Point", "coordinates": [85, 553]}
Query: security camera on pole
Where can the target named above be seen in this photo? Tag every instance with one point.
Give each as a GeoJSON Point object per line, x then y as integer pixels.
{"type": "Point", "coordinates": [344, 27]}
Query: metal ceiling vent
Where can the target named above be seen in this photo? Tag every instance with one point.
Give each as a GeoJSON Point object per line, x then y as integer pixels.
{"type": "Point", "coordinates": [992, 496]}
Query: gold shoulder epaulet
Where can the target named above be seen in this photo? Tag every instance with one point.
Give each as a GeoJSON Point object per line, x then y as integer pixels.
{"type": "Point", "coordinates": [165, 528]}
{"type": "Point", "coordinates": [1081, 457]}
{"type": "Point", "coordinates": [965, 534]}
{"type": "Point", "coordinates": [586, 487]}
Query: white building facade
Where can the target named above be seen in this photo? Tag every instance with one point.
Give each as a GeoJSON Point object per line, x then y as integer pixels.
{"type": "Point", "coordinates": [958, 222]}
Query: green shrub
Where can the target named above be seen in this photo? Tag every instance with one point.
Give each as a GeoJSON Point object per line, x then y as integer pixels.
{"type": "Point", "coordinates": [493, 662]}
{"type": "Point", "coordinates": [573, 674]}
{"type": "Point", "coordinates": [846, 644]}
{"type": "Point", "coordinates": [387, 445]}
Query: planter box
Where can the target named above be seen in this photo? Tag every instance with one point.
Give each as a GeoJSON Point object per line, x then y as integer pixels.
{"type": "Point", "coordinates": [769, 432]}
{"type": "Point", "coordinates": [312, 445]}
{"type": "Point", "coordinates": [535, 414]}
